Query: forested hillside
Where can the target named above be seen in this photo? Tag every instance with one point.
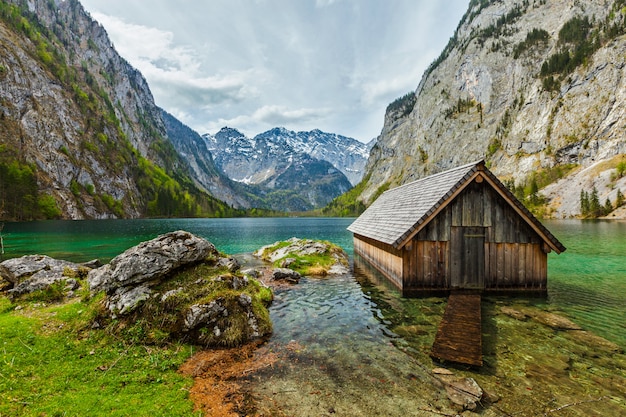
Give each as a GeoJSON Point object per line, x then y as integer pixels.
{"type": "Point", "coordinates": [80, 135]}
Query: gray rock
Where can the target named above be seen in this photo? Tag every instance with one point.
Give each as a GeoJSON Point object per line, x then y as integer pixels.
{"type": "Point", "coordinates": [464, 392]}
{"type": "Point", "coordinates": [171, 293]}
{"type": "Point", "coordinates": [286, 274]}
{"type": "Point", "coordinates": [37, 272]}
{"type": "Point", "coordinates": [150, 261]}
{"type": "Point", "coordinates": [40, 281]}
{"type": "Point", "coordinates": [245, 300]}
{"type": "Point", "coordinates": [287, 262]}
{"type": "Point", "coordinates": [127, 299]}
{"type": "Point", "coordinates": [233, 281]}
{"type": "Point", "coordinates": [251, 272]}
{"type": "Point", "coordinates": [18, 269]}
{"type": "Point", "coordinates": [204, 314]}
{"type": "Point", "coordinates": [230, 263]}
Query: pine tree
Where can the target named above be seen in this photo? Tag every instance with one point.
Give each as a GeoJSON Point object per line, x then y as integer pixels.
{"type": "Point", "coordinates": [584, 203]}
{"type": "Point", "coordinates": [594, 203]}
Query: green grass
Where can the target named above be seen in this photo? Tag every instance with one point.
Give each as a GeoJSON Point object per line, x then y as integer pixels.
{"type": "Point", "coordinates": [53, 364]}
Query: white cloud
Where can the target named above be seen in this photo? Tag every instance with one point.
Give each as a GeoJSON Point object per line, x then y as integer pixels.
{"type": "Point", "coordinates": [254, 65]}
{"type": "Point", "coordinates": [274, 114]}
{"type": "Point", "coordinates": [174, 72]}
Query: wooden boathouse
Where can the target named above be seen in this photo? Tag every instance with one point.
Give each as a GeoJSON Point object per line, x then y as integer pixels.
{"type": "Point", "coordinates": [460, 232]}
{"type": "Point", "coordinates": [458, 229]}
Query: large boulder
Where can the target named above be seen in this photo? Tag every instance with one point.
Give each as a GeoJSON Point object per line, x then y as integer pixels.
{"type": "Point", "coordinates": [148, 262]}
{"type": "Point", "coordinates": [179, 284]}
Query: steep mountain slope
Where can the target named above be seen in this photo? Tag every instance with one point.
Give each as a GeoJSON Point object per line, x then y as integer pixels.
{"type": "Point", "coordinates": [193, 149]}
{"type": "Point", "coordinates": [276, 173]}
{"type": "Point", "coordinates": [537, 88]}
{"type": "Point", "coordinates": [81, 136]}
{"type": "Point", "coordinates": [232, 149]}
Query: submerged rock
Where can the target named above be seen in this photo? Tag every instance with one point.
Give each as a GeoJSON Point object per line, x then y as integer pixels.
{"type": "Point", "coordinates": [595, 341]}
{"type": "Point", "coordinates": [555, 321]}
{"type": "Point", "coordinates": [286, 274]}
{"type": "Point", "coordinates": [516, 314]}
{"type": "Point", "coordinates": [464, 392]}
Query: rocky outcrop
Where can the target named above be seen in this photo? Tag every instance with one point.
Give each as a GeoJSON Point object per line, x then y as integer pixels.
{"type": "Point", "coordinates": [32, 273]}
{"type": "Point", "coordinates": [487, 96]}
{"type": "Point", "coordinates": [178, 280]}
{"type": "Point", "coordinates": [128, 277]}
{"type": "Point", "coordinates": [325, 257]}
{"type": "Point", "coordinates": [177, 285]}
{"type": "Point", "coordinates": [151, 261]}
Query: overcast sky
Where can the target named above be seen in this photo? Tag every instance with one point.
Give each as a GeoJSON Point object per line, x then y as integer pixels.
{"type": "Point", "coordinates": [253, 65]}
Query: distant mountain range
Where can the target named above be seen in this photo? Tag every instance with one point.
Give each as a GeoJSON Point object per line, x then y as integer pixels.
{"type": "Point", "coordinates": [313, 167]}
{"type": "Point", "coordinates": [267, 171]}
{"type": "Point", "coordinates": [255, 160]}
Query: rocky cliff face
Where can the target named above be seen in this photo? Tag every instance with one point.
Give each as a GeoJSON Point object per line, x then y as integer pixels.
{"type": "Point", "coordinates": [79, 122]}
{"type": "Point", "coordinates": [534, 87]}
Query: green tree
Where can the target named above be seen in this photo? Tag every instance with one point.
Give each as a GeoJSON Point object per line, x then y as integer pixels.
{"type": "Point", "coordinates": [594, 203]}
{"type": "Point", "coordinates": [48, 207]}
{"type": "Point", "coordinates": [584, 203]}
{"type": "Point", "coordinates": [621, 169]}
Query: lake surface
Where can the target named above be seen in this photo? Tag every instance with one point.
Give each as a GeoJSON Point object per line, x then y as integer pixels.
{"type": "Point", "coordinates": [352, 346]}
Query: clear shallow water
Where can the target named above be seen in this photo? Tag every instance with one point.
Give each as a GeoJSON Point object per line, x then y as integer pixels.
{"type": "Point", "coordinates": [588, 280]}
{"type": "Point", "coordinates": [351, 346]}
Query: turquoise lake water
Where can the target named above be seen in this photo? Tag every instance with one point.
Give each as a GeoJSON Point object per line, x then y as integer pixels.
{"type": "Point", "coordinates": [588, 280]}
{"type": "Point", "coordinates": [351, 346]}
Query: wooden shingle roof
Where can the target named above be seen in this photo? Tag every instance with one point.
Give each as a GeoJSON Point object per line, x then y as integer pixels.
{"type": "Point", "coordinates": [398, 214]}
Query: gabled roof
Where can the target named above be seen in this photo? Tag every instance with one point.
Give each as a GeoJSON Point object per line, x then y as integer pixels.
{"type": "Point", "coordinates": [398, 214]}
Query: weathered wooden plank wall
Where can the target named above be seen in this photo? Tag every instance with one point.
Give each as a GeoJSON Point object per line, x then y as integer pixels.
{"type": "Point", "coordinates": [515, 265]}
{"type": "Point", "coordinates": [513, 255]}
{"type": "Point", "coordinates": [383, 257]}
{"type": "Point", "coordinates": [426, 265]}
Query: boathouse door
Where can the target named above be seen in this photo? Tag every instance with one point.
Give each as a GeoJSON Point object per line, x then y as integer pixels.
{"type": "Point", "coordinates": [467, 257]}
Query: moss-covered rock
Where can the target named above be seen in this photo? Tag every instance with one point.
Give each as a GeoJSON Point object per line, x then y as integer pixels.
{"type": "Point", "coordinates": [306, 256]}
{"type": "Point", "coordinates": [199, 296]}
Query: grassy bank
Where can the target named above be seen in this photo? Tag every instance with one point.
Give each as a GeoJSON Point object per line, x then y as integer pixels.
{"type": "Point", "coordinates": [53, 363]}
